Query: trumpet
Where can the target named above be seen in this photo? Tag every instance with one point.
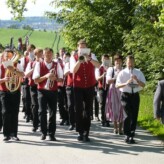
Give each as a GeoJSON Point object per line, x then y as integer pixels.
{"type": "Point", "coordinates": [50, 83]}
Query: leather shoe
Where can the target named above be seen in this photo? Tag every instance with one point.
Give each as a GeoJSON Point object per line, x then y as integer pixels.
{"type": "Point", "coordinates": [62, 122]}
{"type": "Point", "coordinates": [80, 138]}
{"type": "Point", "coordinates": [87, 139]}
{"type": "Point", "coordinates": [52, 138]}
{"type": "Point", "coordinates": [43, 137]}
{"type": "Point", "coordinates": [15, 138]}
{"type": "Point", "coordinates": [126, 139]}
{"type": "Point", "coordinates": [71, 127]}
{"type": "Point", "coordinates": [34, 129]}
{"type": "Point", "coordinates": [6, 138]}
{"type": "Point", "coordinates": [132, 141]}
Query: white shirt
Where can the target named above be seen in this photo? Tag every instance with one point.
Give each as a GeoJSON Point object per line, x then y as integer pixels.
{"type": "Point", "coordinates": [66, 67]}
{"type": "Point", "coordinates": [125, 75]}
{"type": "Point", "coordinates": [36, 73]}
{"type": "Point", "coordinates": [19, 68]}
{"type": "Point", "coordinates": [73, 61]}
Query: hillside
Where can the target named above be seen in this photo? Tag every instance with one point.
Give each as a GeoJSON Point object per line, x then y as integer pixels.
{"type": "Point", "coordinates": [37, 23]}
{"type": "Point", "coordinates": [38, 38]}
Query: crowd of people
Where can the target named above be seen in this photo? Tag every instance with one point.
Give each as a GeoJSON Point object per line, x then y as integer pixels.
{"type": "Point", "coordinates": [77, 84]}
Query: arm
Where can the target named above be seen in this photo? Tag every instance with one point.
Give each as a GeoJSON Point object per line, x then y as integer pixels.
{"type": "Point", "coordinates": [157, 101]}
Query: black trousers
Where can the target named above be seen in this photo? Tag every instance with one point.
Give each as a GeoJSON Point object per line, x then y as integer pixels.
{"type": "Point", "coordinates": [26, 99]}
{"type": "Point", "coordinates": [47, 98]}
{"type": "Point", "coordinates": [102, 101]}
{"type": "Point", "coordinates": [62, 103]}
{"type": "Point", "coordinates": [83, 105]}
{"type": "Point", "coordinates": [10, 109]}
{"type": "Point", "coordinates": [34, 104]}
{"type": "Point", "coordinates": [0, 116]}
{"type": "Point", "coordinates": [130, 103]}
{"type": "Point", "coordinates": [70, 104]}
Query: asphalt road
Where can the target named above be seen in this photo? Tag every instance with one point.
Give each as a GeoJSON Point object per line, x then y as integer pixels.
{"type": "Point", "coordinates": [104, 148]}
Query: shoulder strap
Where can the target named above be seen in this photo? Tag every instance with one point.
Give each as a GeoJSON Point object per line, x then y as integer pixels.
{"type": "Point", "coordinates": [113, 72]}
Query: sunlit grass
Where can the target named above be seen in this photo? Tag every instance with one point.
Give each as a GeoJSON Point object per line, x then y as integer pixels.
{"type": "Point", "coordinates": [146, 119]}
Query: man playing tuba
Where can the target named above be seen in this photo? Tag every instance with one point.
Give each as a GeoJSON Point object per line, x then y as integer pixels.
{"type": "Point", "coordinates": [10, 74]}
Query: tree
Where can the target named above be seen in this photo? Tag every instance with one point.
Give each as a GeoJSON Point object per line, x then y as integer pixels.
{"type": "Point", "coordinates": [100, 22]}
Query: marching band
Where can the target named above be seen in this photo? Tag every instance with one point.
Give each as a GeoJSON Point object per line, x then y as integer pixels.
{"type": "Point", "coordinates": [68, 82]}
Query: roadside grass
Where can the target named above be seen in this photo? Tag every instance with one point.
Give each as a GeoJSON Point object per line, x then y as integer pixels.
{"type": "Point", "coordinates": [146, 119]}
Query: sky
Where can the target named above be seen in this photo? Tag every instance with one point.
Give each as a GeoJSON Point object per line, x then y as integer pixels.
{"type": "Point", "coordinates": [36, 9]}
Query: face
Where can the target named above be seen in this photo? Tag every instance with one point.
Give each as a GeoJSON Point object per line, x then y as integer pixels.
{"type": "Point", "coordinates": [105, 61]}
{"type": "Point", "coordinates": [118, 62]}
{"type": "Point", "coordinates": [48, 55]}
{"type": "Point", "coordinates": [7, 56]}
{"type": "Point", "coordinates": [130, 63]}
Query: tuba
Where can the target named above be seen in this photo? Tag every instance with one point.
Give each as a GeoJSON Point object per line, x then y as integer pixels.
{"type": "Point", "coordinates": [14, 81]}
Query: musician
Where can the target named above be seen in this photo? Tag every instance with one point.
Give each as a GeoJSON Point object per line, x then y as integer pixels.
{"type": "Point", "coordinates": [10, 100]}
{"type": "Point", "coordinates": [130, 81]}
{"type": "Point", "coordinates": [28, 56]}
{"type": "Point", "coordinates": [69, 90]}
{"type": "Point", "coordinates": [102, 87]}
{"type": "Point", "coordinates": [33, 87]}
{"type": "Point", "coordinates": [46, 74]}
{"type": "Point", "coordinates": [84, 82]}
{"type": "Point", "coordinates": [62, 99]}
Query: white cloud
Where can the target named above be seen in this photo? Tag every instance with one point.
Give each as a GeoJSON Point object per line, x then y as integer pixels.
{"type": "Point", "coordinates": [36, 9]}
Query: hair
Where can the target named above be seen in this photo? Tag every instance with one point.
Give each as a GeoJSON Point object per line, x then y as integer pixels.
{"type": "Point", "coordinates": [38, 50]}
{"type": "Point", "coordinates": [31, 46]}
{"type": "Point", "coordinates": [105, 56]}
{"type": "Point", "coordinates": [47, 49]}
{"type": "Point", "coordinates": [67, 54]}
{"type": "Point", "coordinates": [130, 57]}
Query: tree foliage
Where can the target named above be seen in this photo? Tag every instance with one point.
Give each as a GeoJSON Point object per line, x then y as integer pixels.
{"type": "Point", "coordinates": [135, 26]}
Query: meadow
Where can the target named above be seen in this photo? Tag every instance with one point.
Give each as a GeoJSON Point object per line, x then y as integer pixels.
{"type": "Point", "coordinates": [40, 39]}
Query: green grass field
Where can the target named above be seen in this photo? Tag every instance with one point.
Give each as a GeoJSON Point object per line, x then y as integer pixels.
{"type": "Point", "coordinates": [38, 38]}
{"type": "Point", "coordinates": [146, 119]}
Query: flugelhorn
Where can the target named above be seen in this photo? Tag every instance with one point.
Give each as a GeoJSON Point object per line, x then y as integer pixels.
{"type": "Point", "coordinates": [50, 83]}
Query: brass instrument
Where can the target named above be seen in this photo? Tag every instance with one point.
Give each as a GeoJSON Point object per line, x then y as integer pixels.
{"type": "Point", "coordinates": [14, 81]}
{"type": "Point", "coordinates": [50, 83]}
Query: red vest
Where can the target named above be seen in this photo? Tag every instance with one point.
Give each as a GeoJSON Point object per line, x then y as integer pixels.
{"type": "Point", "coordinates": [69, 80]}
{"type": "Point", "coordinates": [44, 70]}
{"type": "Point", "coordinates": [100, 82]}
{"type": "Point", "coordinates": [85, 76]}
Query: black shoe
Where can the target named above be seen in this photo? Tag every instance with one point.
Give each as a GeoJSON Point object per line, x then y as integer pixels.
{"type": "Point", "coordinates": [0, 129]}
{"type": "Point", "coordinates": [86, 139]}
{"type": "Point", "coordinates": [126, 139]}
{"type": "Point", "coordinates": [71, 127]}
{"type": "Point", "coordinates": [6, 138]}
{"type": "Point", "coordinates": [132, 141]}
{"type": "Point", "coordinates": [34, 129]}
{"type": "Point", "coordinates": [15, 138]}
{"type": "Point", "coordinates": [62, 122]}
{"type": "Point", "coordinates": [43, 137]}
{"type": "Point", "coordinates": [52, 138]}
{"type": "Point", "coordinates": [97, 119]}
{"type": "Point", "coordinates": [107, 124]}
{"type": "Point", "coordinates": [27, 119]}
{"type": "Point", "coordinates": [80, 137]}
{"type": "Point", "coordinates": [67, 123]}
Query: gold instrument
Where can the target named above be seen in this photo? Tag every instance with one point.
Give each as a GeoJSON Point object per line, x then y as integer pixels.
{"type": "Point", "coordinates": [50, 83]}
{"type": "Point", "coordinates": [14, 83]}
